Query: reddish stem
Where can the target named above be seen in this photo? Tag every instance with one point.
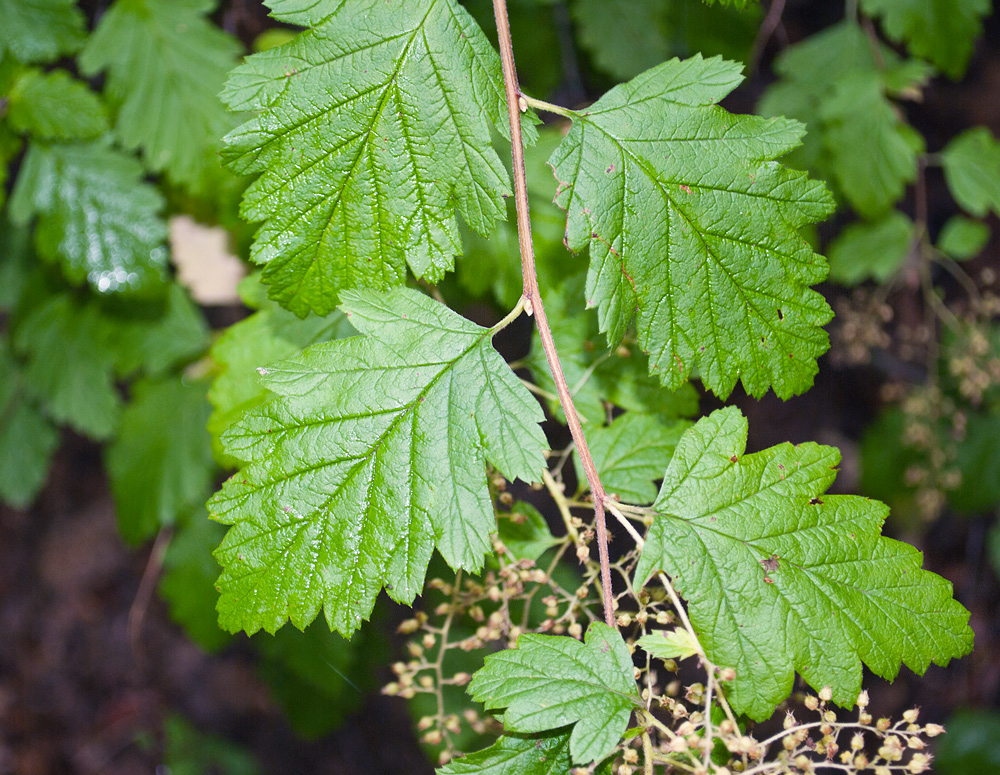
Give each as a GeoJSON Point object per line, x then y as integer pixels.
{"type": "Point", "coordinates": [534, 302]}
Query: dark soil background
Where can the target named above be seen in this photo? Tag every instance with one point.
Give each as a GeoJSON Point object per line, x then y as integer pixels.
{"type": "Point", "coordinates": [78, 695]}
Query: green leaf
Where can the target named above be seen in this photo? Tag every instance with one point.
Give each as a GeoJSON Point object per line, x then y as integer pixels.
{"type": "Point", "coordinates": [188, 751]}
{"type": "Point", "coordinates": [669, 644]}
{"type": "Point", "coordinates": [626, 37]}
{"type": "Point", "coordinates": [971, 743]}
{"type": "Point", "coordinates": [157, 338]}
{"type": "Point", "coordinates": [188, 582]}
{"type": "Point", "coordinates": [10, 147]}
{"type": "Point", "coordinates": [372, 453]}
{"type": "Point", "coordinates": [972, 170]}
{"type": "Point", "coordinates": [516, 755]}
{"type": "Point", "coordinates": [269, 335]}
{"type": "Point", "coordinates": [360, 176]}
{"type": "Point", "coordinates": [70, 366]}
{"type": "Point", "coordinates": [692, 229]}
{"type": "Point", "coordinates": [55, 106]}
{"type": "Point", "coordinates": [96, 218]}
{"type": "Point", "coordinates": [550, 681]}
{"type": "Point", "coordinates": [594, 374]}
{"type": "Point", "coordinates": [631, 453]}
{"type": "Point", "coordinates": [868, 153]}
{"type": "Point", "coordinates": [781, 577]}
{"type": "Point", "coordinates": [978, 460]}
{"type": "Point", "coordinates": [40, 30]}
{"type": "Point", "coordinates": [160, 470]}
{"type": "Point", "coordinates": [525, 532]}
{"type": "Point", "coordinates": [874, 153]}
{"type": "Point", "coordinates": [943, 32]}
{"type": "Point", "coordinates": [27, 439]}
{"type": "Point", "coordinates": [871, 250]}
{"type": "Point", "coordinates": [963, 238]}
{"type": "Point", "coordinates": [166, 62]}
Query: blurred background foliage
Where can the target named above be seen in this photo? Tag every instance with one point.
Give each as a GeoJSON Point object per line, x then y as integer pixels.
{"type": "Point", "coordinates": [130, 331]}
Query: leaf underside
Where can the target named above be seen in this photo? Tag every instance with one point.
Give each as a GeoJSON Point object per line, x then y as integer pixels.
{"type": "Point", "coordinates": [372, 453]}
{"type": "Point", "coordinates": [372, 129]}
{"type": "Point", "coordinates": [780, 577]}
{"type": "Point", "coordinates": [692, 230]}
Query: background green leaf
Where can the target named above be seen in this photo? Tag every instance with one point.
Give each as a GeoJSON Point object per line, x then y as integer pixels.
{"type": "Point", "coordinates": [166, 64]}
{"type": "Point", "coordinates": [160, 470]}
{"type": "Point", "coordinates": [96, 218]}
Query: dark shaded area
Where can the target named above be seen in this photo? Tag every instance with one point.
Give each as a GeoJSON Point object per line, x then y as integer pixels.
{"type": "Point", "coordinates": [76, 696]}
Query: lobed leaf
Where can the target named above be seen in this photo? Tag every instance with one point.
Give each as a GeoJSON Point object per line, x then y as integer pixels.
{"type": "Point", "coordinates": [692, 229]}
{"type": "Point", "coordinates": [871, 250]}
{"type": "Point", "coordinates": [971, 165]}
{"type": "Point", "coordinates": [781, 577]}
{"type": "Point", "coordinates": [372, 453]}
{"type": "Point", "coordinates": [27, 439]}
{"type": "Point", "coordinates": [631, 453]}
{"type": "Point", "coordinates": [372, 128]}
{"type": "Point", "coordinates": [160, 470]}
{"type": "Point", "coordinates": [944, 33]}
{"type": "Point", "coordinates": [269, 335]}
{"type": "Point", "coordinates": [839, 84]}
{"type": "Point", "coordinates": [40, 30]}
{"type": "Point", "coordinates": [96, 218]}
{"type": "Point", "coordinates": [55, 106]}
{"type": "Point", "coordinates": [166, 63]}
{"type": "Point", "coordinates": [551, 681]}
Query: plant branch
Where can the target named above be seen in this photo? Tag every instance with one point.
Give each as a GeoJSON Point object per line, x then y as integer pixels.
{"type": "Point", "coordinates": [533, 300]}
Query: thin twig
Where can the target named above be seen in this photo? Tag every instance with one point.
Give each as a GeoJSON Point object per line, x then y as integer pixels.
{"type": "Point", "coordinates": [533, 300]}
{"type": "Point", "coordinates": [137, 613]}
{"type": "Point", "coordinates": [767, 28]}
